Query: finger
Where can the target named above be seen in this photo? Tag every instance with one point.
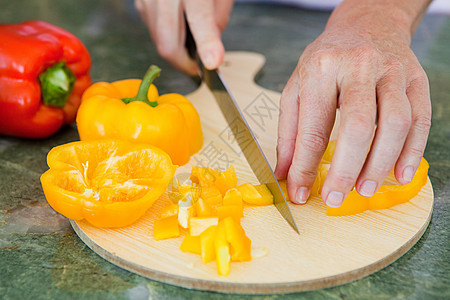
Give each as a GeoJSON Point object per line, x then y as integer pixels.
{"type": "Point", "coordinates": [419, 96]}
{"type": "Point", "coordinates": [222, 12]}
{"type": "Point", "coordinates": [394, 120]}
{"type": "Point", "coordinates": [165, 21]}
{"type": "Point", "coordinates": [200, 16]}
{"type": "Point", "coordinates": [287, 126]}
{"type": "Point", "coordinates": [358, 111]}
{"type": "Point", "coordinates": [317, 110]}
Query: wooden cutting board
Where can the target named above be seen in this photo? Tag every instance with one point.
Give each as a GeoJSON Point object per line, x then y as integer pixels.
{"type": "Point", "coordinates": [328, 251]}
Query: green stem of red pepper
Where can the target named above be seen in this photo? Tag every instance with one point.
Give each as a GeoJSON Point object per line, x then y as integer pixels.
{"type": "Point", "coordinates": [151, 74]}
{"type": "Point", "coordinates": [56, 84]}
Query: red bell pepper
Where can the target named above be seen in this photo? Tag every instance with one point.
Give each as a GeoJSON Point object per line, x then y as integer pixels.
{"type": "Point", "coordinates": [43, 73]}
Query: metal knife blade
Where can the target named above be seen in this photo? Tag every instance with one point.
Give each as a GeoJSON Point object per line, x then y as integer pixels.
{"type": "Point", "coordinates": [247, 140]}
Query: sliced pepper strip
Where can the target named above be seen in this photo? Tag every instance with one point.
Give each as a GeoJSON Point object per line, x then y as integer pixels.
{"type": "Point", "coordinates": [386, 196]}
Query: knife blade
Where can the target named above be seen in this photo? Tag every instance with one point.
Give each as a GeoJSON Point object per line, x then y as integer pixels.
{"type": "Point", "coordinates": [247, 141]}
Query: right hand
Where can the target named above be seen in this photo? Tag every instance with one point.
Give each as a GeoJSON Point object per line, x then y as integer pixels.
{"type": "Point", "coordinates": [207, 19]}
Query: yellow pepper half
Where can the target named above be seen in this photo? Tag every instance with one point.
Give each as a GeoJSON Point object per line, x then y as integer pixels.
{"type": "Point", "coordinates": [132, 110]}
{"type": "Point", "coordinates": [109, 183]}
{"type": "Point", "coordinates": [386, 196]}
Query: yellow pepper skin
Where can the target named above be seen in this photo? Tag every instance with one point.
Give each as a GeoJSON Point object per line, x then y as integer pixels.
{"type": "Point", "coordinates": [132, 110]}
{"type": "Point", "coordinates": [386, 196]}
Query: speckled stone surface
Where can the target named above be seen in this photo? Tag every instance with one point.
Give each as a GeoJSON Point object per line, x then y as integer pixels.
{"type": "Point", "coordinates": [42, 258]}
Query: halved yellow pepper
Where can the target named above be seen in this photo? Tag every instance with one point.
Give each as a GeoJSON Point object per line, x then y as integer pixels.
{"type": "Point", "coordinates": [386, 196]}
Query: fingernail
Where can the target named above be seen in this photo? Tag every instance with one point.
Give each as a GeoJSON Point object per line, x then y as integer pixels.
{"type": "Point", "coordinates": [302, 195]}
{"type": "Point", "coordinates": [368, 188]}
{"type": "Point", "coordinates": [208, 60]}
{"type": "Point", "coordinates": [408, 174]}
{"type": "Point", "coordinates": [335, 199]}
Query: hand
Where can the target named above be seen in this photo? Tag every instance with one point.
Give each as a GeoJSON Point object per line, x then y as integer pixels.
{"type": "Point", "coordinates": [361, 63]}
{"type": "Point", "coordinates": [207, 19]}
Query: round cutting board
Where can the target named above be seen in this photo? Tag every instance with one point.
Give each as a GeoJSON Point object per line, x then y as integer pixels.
{"type": "Point", "coordinates": [328, 251]}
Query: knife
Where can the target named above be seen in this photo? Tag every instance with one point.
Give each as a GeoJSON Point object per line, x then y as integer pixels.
{"type": "Point", "coordinates": [247, 140]}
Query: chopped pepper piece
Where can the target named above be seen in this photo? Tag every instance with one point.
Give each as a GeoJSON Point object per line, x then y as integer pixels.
{"type": "Point", "coordinates": [191, 244]}
{"type": "Point", "coordinates": [166, 228]}
{"type": "Point", "coordinates": [208, 252]}
{"type": "Point", "coordinates": [222, 247]}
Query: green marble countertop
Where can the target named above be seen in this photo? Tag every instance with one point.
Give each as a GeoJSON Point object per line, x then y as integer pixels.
{"type": "Point", "coordinates": [40, 255]}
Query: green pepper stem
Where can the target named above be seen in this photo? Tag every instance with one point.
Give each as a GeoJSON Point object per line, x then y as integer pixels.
{"type": "Point", "coordinates": [56, 84]}
{"type": "Point", "coordinates": [152, 73]}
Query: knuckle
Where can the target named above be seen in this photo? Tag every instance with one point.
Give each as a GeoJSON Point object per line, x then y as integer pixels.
{"type": "Point", "coordinates": [314, 140]}
{"type": "Point", "coordinates": [359, 126]}
{"type": "Point", "coordinates": [366, 55]}
{"type": "Point", "coordinates": [344, 180]}
{"type": "Point", "coordinates": [321, 60]}
{"type": "Point", "coordinates": [400, 122]}
{"type": "Point", "coordinates": [297, 173]}
{"type": "Point", "coordinates": [413, 152]}
{"type": "Point", "coordinates": [422, 123]}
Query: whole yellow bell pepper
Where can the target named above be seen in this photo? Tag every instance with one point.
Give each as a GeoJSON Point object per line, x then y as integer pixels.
{"type": "Point", "coordinates": [132, 110]}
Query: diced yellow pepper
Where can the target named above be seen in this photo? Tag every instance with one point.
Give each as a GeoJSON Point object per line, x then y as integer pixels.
{"type": "Point", "coordinates": [169, 210]}
{"type": "Point", "coordinates": [198, 225]}
{"type": "Point", "coordinates": [212, 196]}
{"type": "Point", "coordinates": [222, 248]}
{"type": "Point", "coordinates": [226, 180]}
{"type": "Point", "coordinates": [204, 176]}
{"type": "Point", "coordinates": [208, 252]}
{"type": "Point", "coordinates": [203, 209]}
{"type": "Point", "coordinates": [234, 211]}
{"type": "Point", "coordinates": [166, 228]}
{"type": "Point", "coordinates": [191, 244]}
{"type": "Point", "coordinates": [233, 197]}
{"type": "Point", "coordinates": [249, 194]}
{"type": "Point", "coordinates": [266, 195]}
{"type": "Point", "coordinates": [239, 242]}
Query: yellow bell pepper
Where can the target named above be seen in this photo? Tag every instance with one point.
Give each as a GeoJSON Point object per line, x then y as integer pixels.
{"type": "Point", "coordinates": [131, 110]}
{"type": "Point", "coordinates": [386, 196]}
{"type": "Point", "coordinates": [110, 183]}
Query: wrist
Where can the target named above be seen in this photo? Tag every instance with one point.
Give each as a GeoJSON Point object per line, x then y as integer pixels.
{"type": "Point", "coordinates": [383, 18]}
